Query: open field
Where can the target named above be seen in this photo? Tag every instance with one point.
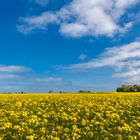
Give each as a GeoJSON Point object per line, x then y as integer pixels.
{"type": "Point", "coordinates": [113, 116]}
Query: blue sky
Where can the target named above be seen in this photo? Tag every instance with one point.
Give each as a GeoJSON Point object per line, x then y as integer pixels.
{"type": "Point", "coordinates": [69, 45]}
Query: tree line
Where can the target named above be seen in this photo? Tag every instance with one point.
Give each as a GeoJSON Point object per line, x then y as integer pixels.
{"type": "Point", "coordinates": [128, 88]}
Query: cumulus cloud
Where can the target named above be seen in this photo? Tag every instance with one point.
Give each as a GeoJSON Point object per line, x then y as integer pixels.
{"type": "Point", "coordinates": [125, 60]}
{"type": "Point", "coordinates": [116, 56]}
{"type": "Point", "coordinates": [81, 18]}
{"type": "Point", "coordinates": [132, 76]}
{"type": "Point", "coordinates": [36, 22]}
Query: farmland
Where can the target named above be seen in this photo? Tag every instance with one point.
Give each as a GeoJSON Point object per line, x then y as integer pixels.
{"type": "Point", "coordinates": [70, 116]}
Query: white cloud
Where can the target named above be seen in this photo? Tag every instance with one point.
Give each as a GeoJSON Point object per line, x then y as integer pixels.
{"type": "Point", "coordinates": [12, 79]}
{"type": "Point", "coordinates": [131, 76]}
{"type": "Point", "coordinates": [116, 56]}
{"type": "Point", "coordinates": [49, 79]}
{"type": "Point", "coordinates": [8, 76]}
{"type": "Point", "coordinates": [130, 73]}
{"type": "Point", "coordinates": [126, 27]}
{"type": "Point", "coordinates": [81, 18]}
{"type": "Point", "coordinates": [73, 29]}
{"type": "Point", "coordinates": [11, 88]}
{"type": "Point", "coordinates": [9, 82]}
{"type": "Point", "coordinates": [82, 56]}
{"type": "Point", "coordinates": [36, 22]}
{"type": "Point", "coordinates": [125, 60]}
{"type": "Point", "coordinates": [13, 68]}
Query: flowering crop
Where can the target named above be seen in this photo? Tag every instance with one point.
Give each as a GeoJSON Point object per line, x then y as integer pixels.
{"type": "Point", "coordinates": [70, 117]}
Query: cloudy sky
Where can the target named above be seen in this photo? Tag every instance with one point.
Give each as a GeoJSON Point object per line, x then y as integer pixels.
{"type": "Point", "coordinates": [69, 45]}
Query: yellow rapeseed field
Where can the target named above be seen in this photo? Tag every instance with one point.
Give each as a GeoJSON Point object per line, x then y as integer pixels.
{"type": "Point", "coordinates": [70, 117]}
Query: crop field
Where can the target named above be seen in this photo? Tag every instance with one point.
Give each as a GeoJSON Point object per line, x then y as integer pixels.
{"type": "Point", "coordinates": [70, 117]}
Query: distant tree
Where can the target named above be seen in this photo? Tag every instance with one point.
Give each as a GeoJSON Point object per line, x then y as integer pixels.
{"type": "Point", "coordinates": [80, 91]}
{"type": "Point", "coordinates": [135, 88]}
{"type": "Point", "coordinates": [62, 92]}
{"type": "Point", "coordinates": [50, 91]}
{"type": "Point", "coordinates": [119, 89]}
{"type": "Point", "coordinates": [84, 91]}
{"type": "Point", "coordinates": [128, 88]}
{"type": "Point", "coordinates": [138, 88]}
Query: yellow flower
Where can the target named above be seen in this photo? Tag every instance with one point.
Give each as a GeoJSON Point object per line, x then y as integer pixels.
{"type": "Point", "coordinates": [18, 104]}
{"type": "Point", "coordinates": [84, 122]}
{"type": "Point", "coordinates": [8, 125]}
{"type": "Point", "coordinates": [16, 127]}
{"type": "Point", "coordinates": [66, 130]}
{"type": "Point", "coordinates": [56, 138]}
{"type": "Point", "coordinates": [31, 137]}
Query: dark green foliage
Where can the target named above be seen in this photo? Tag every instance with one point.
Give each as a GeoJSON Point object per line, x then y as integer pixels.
{"type": "Point", "coordinates": [62, 92]}
{"type": "Point", "coordinates": [50, 91]}
{"type": "Point", "coordinates": [128, 88]}
{"type": "Point", "coordinates": [83, 91]}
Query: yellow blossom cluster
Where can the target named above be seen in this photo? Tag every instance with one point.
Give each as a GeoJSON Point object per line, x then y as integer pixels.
{"type": "Point", "coordinates": [70, 117]}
